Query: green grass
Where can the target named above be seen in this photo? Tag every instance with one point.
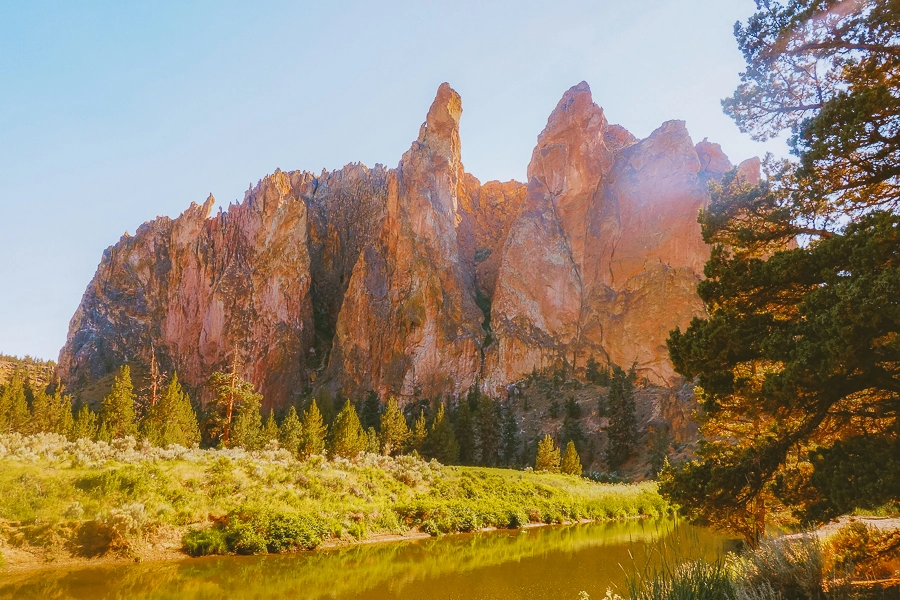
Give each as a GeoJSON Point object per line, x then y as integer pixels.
{"type": "Point", "coordinates": [88, 498]}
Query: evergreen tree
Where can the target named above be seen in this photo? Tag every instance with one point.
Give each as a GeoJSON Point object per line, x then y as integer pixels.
{"type": "Point", "coordinates": [314, 432]}
{"type": "Point", "coordinates": [326, 407]}
{"type": "Point", "coordinates": [230, 393]}
{"type": "Point", "coordinates": [290, 435]}
{"type": "Point", "coordinates": [547, 456]}
{"type": "Point", "coordinates": [622, 431]}
{"type": "Point", "coordinates": [370, 413]}
{"type": "Point", "coordinates": [372, 441]}
{"type": "Point", "coordinates": [510, 441]}
{"type": "Point", "coordinates": [553, 411]}
{"type": "Point", "coordinates": [571, 429]}
{"type": "Point", "coordinates": [441, 442]}
{"type": "Point", "coordinates": [117, 416]}
{"type": "Point", "coordinates": [348, 438]}
{"type": "Point", "coordinates": [798, 363]}
{"type": "Point", "coordinates": [394, 430]}
{"type": "Point", "coordinates": [51, 413]}
{"type": "Point", "coordinates": [14, 413]}
{"type": "Point", "coordinates": [488, 431]}
{"type": "Point", "coordinates": [419, 434]}
{"type": "Point", "coordinates": [85, 425]}
{"type": "Point", "coordinates": [465, 433]}
{"type": "Point", "coordinates": [42, 413]}
{"type": "Point", "coordinates": [571, 461]}
{"type": "Point", "coordinates": [247, 430]}
{"type": "Point", "coordinates": [62, 410]}
{"type": "Point", "coordinates": [270, 431]}
{"type": "Point", "coordinates": [596, 374]}
{"type": "Point", "coordinates": [171, 419]}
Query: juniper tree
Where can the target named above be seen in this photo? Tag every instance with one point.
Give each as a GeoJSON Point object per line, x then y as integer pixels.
{"type": "Point", "coordinates": [571, 461]}
{"type": "Point", "coordinates": [394, 430]}
{"type": "Point", "coordinates": [547, 456]}
{"type": "Point", "coordinates": [117, 414]}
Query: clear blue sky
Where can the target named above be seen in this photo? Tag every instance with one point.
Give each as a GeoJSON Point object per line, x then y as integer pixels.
{"type": "Point", "coordinates": [112, 113]}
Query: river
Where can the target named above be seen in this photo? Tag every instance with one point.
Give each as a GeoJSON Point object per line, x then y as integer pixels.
{"type": "Point", "coordinates": [540, 563]}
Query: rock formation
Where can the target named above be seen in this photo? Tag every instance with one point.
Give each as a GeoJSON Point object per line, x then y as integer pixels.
{"type": "Point", "coordinates": [419, 280]}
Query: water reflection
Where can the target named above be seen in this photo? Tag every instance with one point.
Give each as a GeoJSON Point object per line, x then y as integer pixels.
{"type": "Point", "coordinates": [549, 562]}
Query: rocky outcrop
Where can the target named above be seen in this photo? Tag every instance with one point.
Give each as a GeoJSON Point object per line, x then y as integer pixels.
{"type": "Point", "coordinates": [419, 280]}
{"type": "Point", "coordinates": [409, 324]}
{"type": "Point", "coordinates": [605, 258]}
{"type": "Point", "coordinates": [200, 293]}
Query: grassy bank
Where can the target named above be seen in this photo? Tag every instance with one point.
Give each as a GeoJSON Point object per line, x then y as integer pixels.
{"type": "Point", "coordinates": [854, 563]}
{"type": "Point", "coordinates": [79, 500]}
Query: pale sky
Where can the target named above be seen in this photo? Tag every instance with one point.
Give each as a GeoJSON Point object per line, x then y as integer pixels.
{"type": "Point", "coordinates": [112, 114]}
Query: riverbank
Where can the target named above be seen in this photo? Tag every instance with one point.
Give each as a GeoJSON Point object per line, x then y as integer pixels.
{"type": "Point", "coordinates": [80, 503]}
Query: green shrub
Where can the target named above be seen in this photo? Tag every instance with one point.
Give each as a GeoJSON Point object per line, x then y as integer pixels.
{"type": "Point", "coordinates": [205, 542]}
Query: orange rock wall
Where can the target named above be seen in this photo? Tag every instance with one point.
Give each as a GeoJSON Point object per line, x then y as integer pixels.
{"type": "Point", "coordinates": [419, 280]}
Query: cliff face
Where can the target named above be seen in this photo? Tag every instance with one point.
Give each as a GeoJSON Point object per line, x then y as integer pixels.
{"type": "Point", "coordinates": [409, 323]}
{"type": "Point", "coordinates": [419, 280]}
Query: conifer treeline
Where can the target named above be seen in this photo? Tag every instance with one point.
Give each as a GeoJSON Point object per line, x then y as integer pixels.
{"type": "Point", "coordinates": [476, 430]}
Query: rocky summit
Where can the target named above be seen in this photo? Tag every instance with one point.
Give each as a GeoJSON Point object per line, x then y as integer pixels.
{"type": "Point", "coordinates": [418, 280]}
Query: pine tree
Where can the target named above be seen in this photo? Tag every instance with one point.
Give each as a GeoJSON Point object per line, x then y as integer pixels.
{"type": "Point", "coordinates": [465, 433]}
{"type": "Point", "coordinates": [14, 413]}
{"type": "Point", "coordinates": [348, 438]}
{"type": "Point", "coordinates": [270, 431]}
{"type": "Point", "coordinates": [372, 441]}
{"type": "Point", "coordinates": [62, 410]}
{"type": "Point", "coordinates": [547, 456]}
{"type": "Point", "coordinates": [596, 374]}
{"type": "Point", "coordinates": [42, 419]}
{"type": "Point", "coordinates": [370, 413]}
{"type": "Point", "coordinates": [230, 392]}
{"type": "Point", "coordinates": [247, 429]}
{"type": "Point", "coordinates": [441, 443]}
{"type": "Point", "coordinates": [571, 461]}
{"type": "Point", "coordinates": [622, 430]}
{"type": "Point", "coordinates": [571, 429]}
{"type": "Point", "coordinates": [290, 435]}
{"type": "Point", "coordinates": [117, 416]}
{"type": "Point", "coordinates": [419, 434]}
{"type": "Point", "coordinates": [488, 431]}
{"type": "Point", "coordinates": [394, 430]}
{"type": "Point", "coordinates": [510, 441]}
{"type": "Point", "coordinates": [171, 418]}
{"type": "Point", "coordinates": [314, 432]}
{"type": "Point", "coordinates": [85, 425]}
{"type": "Point", "coordinates": [51, 413]}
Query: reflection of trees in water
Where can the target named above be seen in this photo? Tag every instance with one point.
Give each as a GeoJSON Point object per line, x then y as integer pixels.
{"type": "Point", "coordinates": [379, 570]}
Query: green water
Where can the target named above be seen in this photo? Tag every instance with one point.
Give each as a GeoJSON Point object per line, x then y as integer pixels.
{"type": "Point", "coordinates": [547, 562]}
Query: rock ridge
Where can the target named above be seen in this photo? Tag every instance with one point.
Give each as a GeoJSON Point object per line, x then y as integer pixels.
{"type": "Point", "coordinates": [419, 280]}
